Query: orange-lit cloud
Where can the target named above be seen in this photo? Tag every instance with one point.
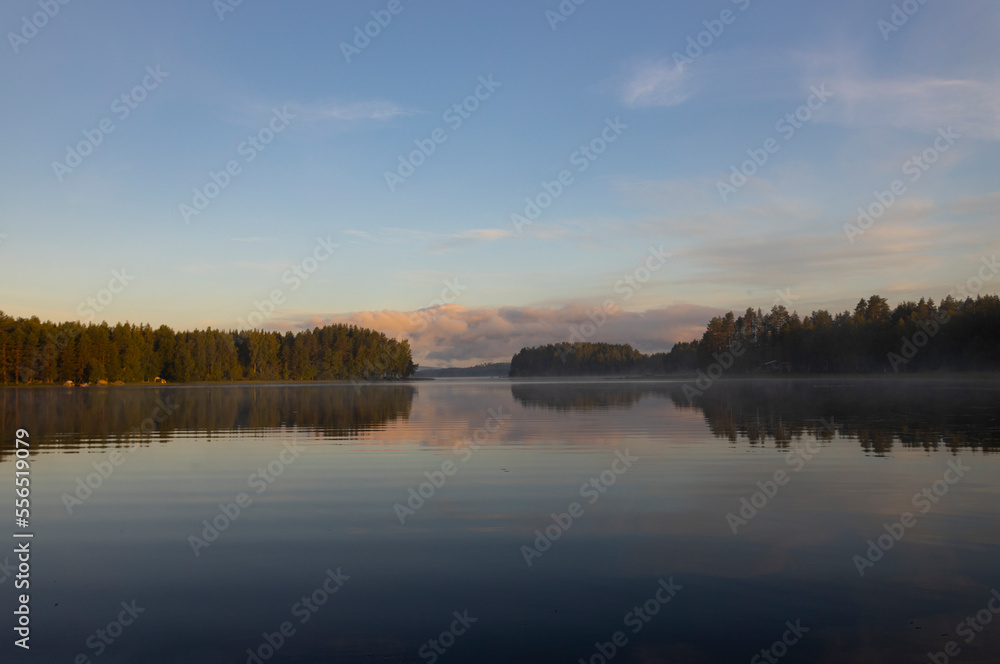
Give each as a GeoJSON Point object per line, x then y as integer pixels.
{"type": "Point", "coordinates": [456, 335]}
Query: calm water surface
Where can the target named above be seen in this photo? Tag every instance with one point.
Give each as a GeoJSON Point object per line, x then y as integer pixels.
{"type": "Point", "coordinates": [326, 473]}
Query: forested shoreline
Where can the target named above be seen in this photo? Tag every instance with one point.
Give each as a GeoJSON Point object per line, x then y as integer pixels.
{"type": "Point", "coordinates": [953, 335]}
{"type": "Point", "coordinates": [35, 352]}
{"type": "Point", "coordinates": [478, 371]}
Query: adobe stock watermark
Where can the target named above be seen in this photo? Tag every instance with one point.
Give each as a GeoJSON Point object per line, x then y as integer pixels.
{"type": "Point", "coordinates": [436, 479]}
{"type": "Point", "coordinates": [363, 36]}
{"type": "Point", "coordinates": [382, 367]}
{"type": "Point", "coordinates": [912, 345]}
{"type": "Point", "coordinates": [899, 17]}
{"type": "Point", "coordinates": [6, 570]}
{"type": "Point", "coordinates": [88, 310]}
{"type": "Point", "coordinates": [454, 117]}
{"type": "Point", "coordinates": [636, 619]}
{"type": "Point", "coordinates": [974, 284]}
{"type": "Point", "coordinates": [42, 357]}
{"type": "Point", "coordinates": [582, 159]}
{"type": "Point", "coordinates": [260, 480]}
{"type": "Point", "coordinates": [925, 501]}
{"type": "Point", "coordinates": [37, 21]}
{"type": "Point", "coordinates": [786, 127]}
{"type": "Point", "coordinates": [104, 469]}
{"type": "Point", "coordinates": [796, 459]}
{"type": "Point", "coordinates": [930, 328]}
{"type": "Point", "coordinates": [304, 609]}
{"type": "Point", "coordinates": [438, 646]}
{"type": "Point", "coordinates": [593, 489]}
{"type": "Point", "coordinates": [383, 364]}
{"type": "Point", "coordinates": [223, 7]}
{"type": "Point", "coordinates": [102, 639]}
{"type": "Point", "coordinates": [634, 281]}
{"type": "Point", "coordinates": [122, 108]}
{"type": "Point", "coordinates": [699, 43]}
{"type": "Point", "coordinates": [248, 149]}
{"type": "Point", "coordinates": [626, 287]}
{"type": "Point", "coordinates": [779, 648]}
{"type": "Point", "coordinates": [706, 379]}
{"type": "Point", "coordinates": [969, 629]}
{"type": "Point", "coordinates": [562, 12]}
{"type": "Point", "coordinates": [293, 277]}
{"type": "Point", "coordinates": [91, 306]}
{"type": "Point", "coordinates": [785, 297]}
{"type": "Point", "coordinates": [915, 167]}
{"type": "Point", "coordinates": [451, 291]}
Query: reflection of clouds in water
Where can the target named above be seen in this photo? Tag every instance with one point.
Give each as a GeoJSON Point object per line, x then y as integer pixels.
{"type": "Point", "coordinates": [665, 517]}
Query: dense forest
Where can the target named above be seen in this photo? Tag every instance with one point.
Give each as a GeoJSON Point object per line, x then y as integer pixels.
{"type": "Point", "coordinates": [583, 359]}
{"type": "Point", "coordinates": [35, 352]}
{"type": "Point", "coordinates": [954, 335]}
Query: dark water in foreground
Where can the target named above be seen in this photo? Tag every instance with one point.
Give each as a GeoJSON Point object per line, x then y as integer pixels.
{"type": "Point", "coordinates": [853, 455]}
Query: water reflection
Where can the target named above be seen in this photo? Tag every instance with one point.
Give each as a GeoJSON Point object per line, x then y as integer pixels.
{"type": "Point", "coordinates": [916, 414]}
{"type": "Point", "coordinates": [665, 518]}
{"type": "Point", "coordinates": [74, 418]}
{"type": "Point", "coordinates": [597, 395]}
{"type": "Point", "coordinates": [879, 414]}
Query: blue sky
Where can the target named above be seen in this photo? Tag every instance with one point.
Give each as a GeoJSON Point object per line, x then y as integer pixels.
{"type": "Point", "coordinates": [683, 124]}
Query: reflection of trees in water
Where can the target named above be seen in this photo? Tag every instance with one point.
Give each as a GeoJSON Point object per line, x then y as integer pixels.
{"type": "Point", "coordinates": [583, 396]}
{"type": "Point", "coordinates": [72, 418]}
{"type": "Point", "coordinates": [917, 414]}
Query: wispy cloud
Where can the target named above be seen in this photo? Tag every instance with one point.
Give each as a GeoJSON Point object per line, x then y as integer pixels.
{"type": "Point", "coordinates": [272, 267]}
{"type": "Point", "coordinates": [464, 238]}
{"type": "Point", "coordinates": [988, 204]}
{"type": "Point", "coordinates": [485, 234]}
{"type": "Point", "coordinates": [390, 235]}
{"type": "Point", "coordinates": [436, 242]}
{"type": "Point", "coordinates": [659, 83]}
{"type": "Point", "coordinates": [254, 239]}
{"type": "Point", "coordinates": [350, 111]}
{"type": "Point", "coordinates": [920, 104]}
{"type": "Point", "coordinates": [910, 99]}
{"type": "Point", "coordinates": [198, 268]}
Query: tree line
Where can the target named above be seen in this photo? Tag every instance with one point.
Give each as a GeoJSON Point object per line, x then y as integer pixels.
{"type": "Point", "coordinates": [32, 351]}
{"type": "Point", "coordinates": [485, 369]}
{"type": "Point", "coordinates": [577, 359]}
{"type": "Point", "coordinates": [953, 335]}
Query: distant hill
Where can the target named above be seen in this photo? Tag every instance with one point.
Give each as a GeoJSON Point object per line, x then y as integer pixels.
{"type": "Point", "coordinates": [478, 371]}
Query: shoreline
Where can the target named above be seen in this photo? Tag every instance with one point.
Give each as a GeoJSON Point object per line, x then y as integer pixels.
{"type": "Point", "coordinates": [977, 376]}
{"type": "Point", "coordinates": [689, 377]}
{"type": "Point", "coordinates": [209, 383]}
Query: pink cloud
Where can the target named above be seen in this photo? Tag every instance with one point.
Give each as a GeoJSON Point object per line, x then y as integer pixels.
{"type": "Point", "coordinates": [456, 335]}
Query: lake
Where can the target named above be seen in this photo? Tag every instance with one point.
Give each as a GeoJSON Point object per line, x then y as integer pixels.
{"type": "Point", "coordinates": [807, 520]}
